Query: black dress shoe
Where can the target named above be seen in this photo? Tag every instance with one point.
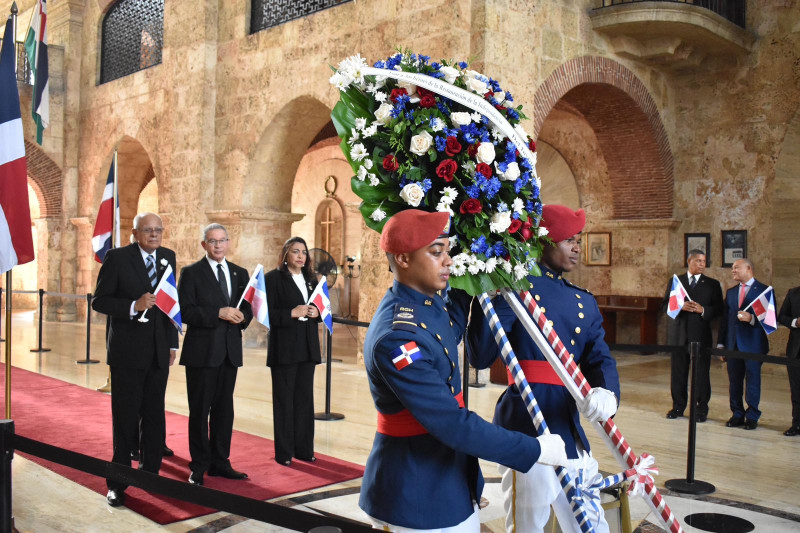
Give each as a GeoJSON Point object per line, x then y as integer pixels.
{"type": "Point", "coordinates": [227, 472]}
{"type": "Point", "coordinates": [750, 424]}
{"type": "Point", "coordinates": [735, 422]}
{"type": "Point", "coordinates": [311, 459]}
{"type": "Point", "coordinates": [672, 414]}
{"type": "Point", "coordinates": [135, 455]}
{"type": "Point", "coordinates": [166, 452]}
{"type": "Point", "coordinates": [792, 431]}
{"type": "Point", "coordinates": [700, 418]}
{"type": "Point", "coordinates": [285, 462]}
{"type": "Point", "coordinates": [196, 478]}
{"type": "Point", "coordinates": [115, 498]}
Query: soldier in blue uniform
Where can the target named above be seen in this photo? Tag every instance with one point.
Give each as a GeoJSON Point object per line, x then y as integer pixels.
{"type": "Point", "coordinates": [576, 318]}
{"type": "Point", "coordinates": [422, 473]}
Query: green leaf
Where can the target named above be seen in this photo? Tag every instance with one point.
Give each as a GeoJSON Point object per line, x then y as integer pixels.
{"type": "Point", "coordinates": [368, 193]}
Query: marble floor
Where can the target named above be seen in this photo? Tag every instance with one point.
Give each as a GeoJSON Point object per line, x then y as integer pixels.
{"type": "Point", "coordinates": [755, 472]}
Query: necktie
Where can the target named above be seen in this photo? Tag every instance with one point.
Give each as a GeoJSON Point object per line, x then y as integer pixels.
{"type": "Point", "coordinates": [223, 283]}
{"type": "Point", "coordinates": [151, 270]}
{"type": "Point", "coordinates": [742, 288]}
{"type": "Point", "coordinates": [693, 282]}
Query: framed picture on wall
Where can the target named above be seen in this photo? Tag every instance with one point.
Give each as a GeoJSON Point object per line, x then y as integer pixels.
{"type": "Point", "coordinates": [598, 249]}
{"type": "Point", "coordinates": [734, 246]}
{"type": "Point", "coordinates": [697, 241]}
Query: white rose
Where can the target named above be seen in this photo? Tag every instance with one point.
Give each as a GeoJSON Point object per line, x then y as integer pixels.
{"type": "Point", "coordinates": [410, 88]}
{"type": "Point", "coordinates": [412, 194]}
{"type": "Point", "coordinates": [421, 143]}
{"type": "Point", "coordinates": [485, 153]}
{"type": "Point", "coordinates": [500, 96]}
{"type": "Point", "coordinates": [511, 174]}
{"type": "Point", "coordinates": [499, 222]}
{"type": "Point", "coordinates": [450, 74]}
{"type": "Point", "coordinates": [460, 118]}
{"type": "Point", "coordinates": [383, 114]}
{"type": "Point", "coordinates": [476, 85]}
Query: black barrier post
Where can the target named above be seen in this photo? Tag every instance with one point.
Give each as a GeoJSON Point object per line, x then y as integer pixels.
{"type": "Point", "coordinates": [690, 485]}
{"type": "Point", "coordinates": [41, 317]}
{"type": "Point", "coordinates": [88, 361]}
{"type": "Point", "coordinates": [327, 415]}
{"type": "Point", "coordinates": [6, 455]}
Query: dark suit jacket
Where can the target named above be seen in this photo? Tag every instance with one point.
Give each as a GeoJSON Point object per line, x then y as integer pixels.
{"type": "Point", "coordinates": [789, 311]}
{"type": "Point", "coordinates": [290, 340]}
{"type": "Point", "coordinates": [122, 280]}
{"type": "Point", "coordinates": [209, 338]}
{"type": "Point", "coordinates": [737, 335]}
{"type": "Point", "coordinates": [692, 327]}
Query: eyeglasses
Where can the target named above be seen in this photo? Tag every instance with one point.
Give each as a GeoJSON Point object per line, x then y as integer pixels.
{"type": "Point", "coordinates": [213, 242]}
{"type": "Point", "coordinates": [151, 231]}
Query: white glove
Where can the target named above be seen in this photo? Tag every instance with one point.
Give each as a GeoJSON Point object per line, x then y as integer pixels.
{"type": "Point", "coordinates": [599, 404]}
{"type": "Point", "coordinates": [553, 452]}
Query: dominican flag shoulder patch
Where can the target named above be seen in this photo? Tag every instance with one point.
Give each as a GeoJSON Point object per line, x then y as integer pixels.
{"type": "Point", "coordinates": [405, 355]}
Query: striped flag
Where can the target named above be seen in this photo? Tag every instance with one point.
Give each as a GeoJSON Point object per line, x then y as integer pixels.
{"type": "Point", "coordinates": [107, 222]}
{"type": "Point", "coordinates": [322, 300]}
{"type": "Point", "coordinates": [763, 308]}
{"type": "Point", "coordinates": [256, 294]}
{"type": "Point", "coordinates": [167, 297]}
{"type": "Point", "coordinates": [16, 240]}
{"type": "Point", "coordinates": [36, 50]}
{"type": "Point", "coordinates": [677, 297]}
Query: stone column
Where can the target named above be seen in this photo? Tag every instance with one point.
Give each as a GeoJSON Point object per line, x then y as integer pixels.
{"type": "Point", "coordinates": [256, 237]}
{"type": "Point", "coordinates": [81, 266]}
{"type": "Point", "coordinates": [375, 279]}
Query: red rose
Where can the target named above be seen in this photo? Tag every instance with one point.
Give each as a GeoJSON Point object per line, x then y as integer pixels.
{"type": "Point", "coordinates": [532, 145]}
{"type": "Point", "coordinates": [424, 92]}
{"type": "Point", "coordinates": [390, 162]}
{"type": "Point", "coordinates": [452, 146]}
{"type": "Point", "coordinates": [397, 93]}
{"type": "Point", "coordinates": [497, 106]}
{"type": "Point", "coordinates": [427, 101]}
{"type": "Point", "coordinates": [446, 169]}
{"type": "Point", "coordinates": [473, 149]}
{"type": "Point", "coordinates": [488, 94]}
{"type": "Point", "coordinates": [470, 206]}
{"type": "Point", "coordinates": [484, 169]}
{"type": "Point", "coordinates": [526, 232]}
{"type": "Point", "coordinates": [515, 225]}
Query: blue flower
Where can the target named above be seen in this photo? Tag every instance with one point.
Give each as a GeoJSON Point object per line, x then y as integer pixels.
{"type": "Point", "coordinates": [515, 216]}
{"type": "Point", "coordinates": [410, 114]}
{"type": "Point", "coordinates": [479, 245]}
{"type": "Point", "coordinates": [502, 207]}
{"type": "Point", "coordinates": [379, 64]}
{"type": "Point", "coordinates": [426, 185]}
{"type": "Point", "coordinates": [443, 108]}
{"type": "Point", "coordinates": [441, 143]}
{"type": "Point", "coordinates": [396, 111]}
{"type": "Point", "coordinates": [527, 164]}
{"type": "Point", "coordinates": [529, 206]}
{"type": "Point", "coordinates": [500, 250]}
{"type": "Point", "coordinates": [519, 184]}
{"type": "Point", "coordinates": [473, 191]}
{"type": "Point", "coordinates": [492, 187]}
{"type": "Point", "coordinates": [436, 74]}
{"type": "Point", "coordinates": [508, 97]}
{"type": "Point", "coordinates": [495, 86]}
{"type": "Point", "coordinates": [424, 59]}
{"type": "Point", "coordinates": [502, 166]}
{"type": "Point", "coordinates": [435, 66]}
{"type": "Point", "coordinates": [403, 100]}
{"type": "Point", "coordinates": [512, 113]}
{"type": "Point", "coordinates": [462, 64]}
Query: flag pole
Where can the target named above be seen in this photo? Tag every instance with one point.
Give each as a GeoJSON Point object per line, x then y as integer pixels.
{"type": "Point", "coordinates": [115, 236]}
{"type": "Point", "coordinates": [259, 268]}
{"type": "Point", "coordinates": [9, 292]}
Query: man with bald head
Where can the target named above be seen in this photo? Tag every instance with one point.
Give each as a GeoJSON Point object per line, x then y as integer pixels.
{"type": "Point", "coordinates": [139, 352]}
{"type": "Point", "coordinates": [741, 331]}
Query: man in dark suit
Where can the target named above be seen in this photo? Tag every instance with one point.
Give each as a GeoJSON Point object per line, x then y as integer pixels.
{"type": "Point", "coordinates": [139, 352]}
{"type": "Point", "coordinates": [790, 317]}
{"type": "Point", "coordinates": [693, 324]}
{"type": "Point", "coordinates": [741, 331]}
{"type": "Point", "coordinates": [212, 352]}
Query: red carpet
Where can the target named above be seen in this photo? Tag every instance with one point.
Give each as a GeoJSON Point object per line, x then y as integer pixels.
{"type": "Point", "coordinates": [79, 419]}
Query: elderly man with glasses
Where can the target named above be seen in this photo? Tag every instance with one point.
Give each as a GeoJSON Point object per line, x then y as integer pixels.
{"type": "Point", "coordinates": [212, 352]}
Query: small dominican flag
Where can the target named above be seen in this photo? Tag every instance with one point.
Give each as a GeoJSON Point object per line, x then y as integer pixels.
{"type": "Point", "coordinates": [677, 297]}
{"type": "Point", "coordinates": [256, 294]}
{"type": "Point", "coordinates": [405, 355]}
{"type": "Point", "coordinates": [36, 50]}
{"type": "Point", "coordinates": [764, 310]}
{"type": "Point", "coordinates": [322, 300]}
{"type": "Point", "coordinates": [167, 297]}
{"type": "Point", "coordinates": [107, 218]}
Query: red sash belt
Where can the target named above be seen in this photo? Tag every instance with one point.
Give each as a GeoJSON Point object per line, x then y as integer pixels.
{"type": "Point", "coordinates": [537, 372]}
{"type": "Point", "coordinates": [403, 423]}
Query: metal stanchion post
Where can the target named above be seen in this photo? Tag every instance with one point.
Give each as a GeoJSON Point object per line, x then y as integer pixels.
{"type": "Point", "coordinates": [88, 361]}
{"type": "Point", "coordinates": [6, 455]}
{"type": "Point", "coordinates": [690, 485]}
{"type": "Point", "coordinates": [41, 317]}
{"type": "Point", "coordinates": [327, 415]}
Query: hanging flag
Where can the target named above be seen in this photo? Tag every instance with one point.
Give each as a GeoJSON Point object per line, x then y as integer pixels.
{"type": "Point", "coordinates": [16, 240]}
{"type": "Point", "coordinates": [256, 294]}
{"type": "Point", "coordinates": [764, 310]}
{"type": "Point", "coordinates": [321, 299]}
{"type": "Point", "coordinates": [36, 50]}
{"type": "Point", "coordinates": [677, 297]}
{"type": "Point", "coordinates": [167, 297]}
{"type": "Point", "coordinates": [107, 223]}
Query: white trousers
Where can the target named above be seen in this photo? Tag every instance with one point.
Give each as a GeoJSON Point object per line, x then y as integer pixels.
{"type": "Point", "coordinates": [528, 496]}
{"type": "Point", "coordinates": [471, 525]}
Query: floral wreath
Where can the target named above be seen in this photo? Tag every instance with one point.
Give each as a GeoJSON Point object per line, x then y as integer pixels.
{"type": "Point", "coordinates": [441, 137]}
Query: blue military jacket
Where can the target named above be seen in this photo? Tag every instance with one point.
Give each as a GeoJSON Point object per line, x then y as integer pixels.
{"type": "Point", "coordinates": [431, 480]}
{"type": "Point", "coordinates": [577, 320]}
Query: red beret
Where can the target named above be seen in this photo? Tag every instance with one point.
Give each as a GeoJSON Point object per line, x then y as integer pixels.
{"type": "Point", "coordinates": [562, 222]}
{"type": "Point", "coordinates": [411, 229]}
